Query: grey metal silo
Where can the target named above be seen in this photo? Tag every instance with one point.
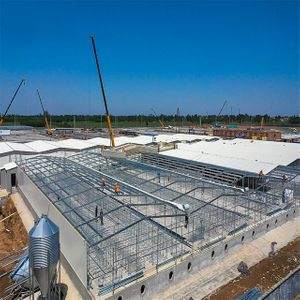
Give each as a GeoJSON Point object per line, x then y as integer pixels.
{"type": "Point", "coordinates": [44, 252]}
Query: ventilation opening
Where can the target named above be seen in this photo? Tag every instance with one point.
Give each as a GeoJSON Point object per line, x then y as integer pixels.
{"type": "Point", "coordinates": [213, 254]}
{"type": "Point", "coordinates": [171, 275]}
{"type": "Point", "coordinates": [120, 298]}
{"type": "Point", "coordinates": [226, 248]}
{"type": "Point", "coordinates": [143, 289]}
{"type": "Point", "coordinates": [242, 239]}
{"type": "Point", "coordinates": [189, 266]}
{"type": "Point", "coordinates": [287, 215]}
{"type": "Point", "coordinates": [13, 179]}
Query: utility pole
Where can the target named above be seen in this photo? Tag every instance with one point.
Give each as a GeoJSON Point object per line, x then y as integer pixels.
{"type": "Point", "coordinates": [74, 118]}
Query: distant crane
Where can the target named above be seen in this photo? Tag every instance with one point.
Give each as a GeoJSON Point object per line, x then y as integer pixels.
{"type": "Point", "coordinates": [103, 93]}
{"type": "Point", "coordinates": [49, 132]}
{"type": "Point", "coordinates": [12, 100]}
{"type": "Point", "coordinates": [217, 117]}
{"type": "Point", "coordinates": [261, 123]}
{"type": "Point", "coordinates": [162, 124]}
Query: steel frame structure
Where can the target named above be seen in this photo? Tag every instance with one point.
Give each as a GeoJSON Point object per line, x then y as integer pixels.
{"type": "Point", "coordinates": [143, 225]}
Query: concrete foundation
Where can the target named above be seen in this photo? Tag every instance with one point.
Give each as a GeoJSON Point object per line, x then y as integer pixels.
{"type": "Point", "coordinates": [199, 274]}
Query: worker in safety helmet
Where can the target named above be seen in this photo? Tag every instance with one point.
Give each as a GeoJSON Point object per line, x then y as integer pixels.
{"type": "Point", "coordinates": [284, 177]}
{"type": "Point", "coordinates": [104, 182]}
{"type": "Point", "coordinates": [117, 189]}
{"type": "Point", "coordinates": [260, 175]}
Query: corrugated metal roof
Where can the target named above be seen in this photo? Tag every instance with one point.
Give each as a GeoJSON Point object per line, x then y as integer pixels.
{"type": "Point", "coordinates": [10, 166]}
{"type": "Point", "coordinates": [4, 148]}
{"type": "Point", "coordinates": [19, 147]}
{"type": "Point", "coordinates": [240, 154]}
{"type": "Point", "coordinates": [40, 146]}
{"type": "Point", "coordinates": [246, 155]}
{"type": "Point", "coordinates": [74, 144]}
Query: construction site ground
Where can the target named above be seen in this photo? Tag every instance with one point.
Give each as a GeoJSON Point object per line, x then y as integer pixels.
{"type": "Point", "coordinates": [264, 275]}
{"type": "Point", "coordinates": [14, 236]}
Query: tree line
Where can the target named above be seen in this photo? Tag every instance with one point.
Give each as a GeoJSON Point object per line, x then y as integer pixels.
{"type": "Point", "coordinates": [149, 120]}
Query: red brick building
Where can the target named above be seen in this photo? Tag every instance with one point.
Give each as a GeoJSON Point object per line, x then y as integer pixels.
{"type": "Point", "coordinates": [249, 133]}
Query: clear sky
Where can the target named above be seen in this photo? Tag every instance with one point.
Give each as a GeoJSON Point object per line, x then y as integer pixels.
{"type": "Point", "coordinates": [162, 54]}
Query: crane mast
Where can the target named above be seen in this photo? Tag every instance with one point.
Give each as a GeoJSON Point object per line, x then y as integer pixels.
{"type": "Point", "coordinates": [261, 123]}
{"type": "Point", "coordinates": [103, 93]}
{"type": "Point", "coordinates": [217, 116]}
{"type": "Point", "coordinates": [12, 100]}
{"type": "Point", "coordinates": [162, 124]}
{"type": "Point", "coordinates": [48, 127]}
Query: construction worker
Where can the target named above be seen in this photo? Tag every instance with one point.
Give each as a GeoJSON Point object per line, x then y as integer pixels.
{"type": "Point", "coordinates": [284, 177]}
{"type": "Point", "coordinates": [158, 177]}
{"type": "Point", "coordinates": [284, 196]}
{"type": "Point", "coordinates": [104, 182]}
{"type": "Point", "coordinates": [117, 189]}
{"type": "Point", "coordinates": [123, 149]}
{"type": "Point", "coordinates": [96, 213]}
{"type": "Point", "coordinates": [260, 176]}
{"type": "Point", "coordinates": [102, 147]}
{"type": "Point", "coordinates": [101, 216]}
{"type": "Point", "coordinates": [186, 218]}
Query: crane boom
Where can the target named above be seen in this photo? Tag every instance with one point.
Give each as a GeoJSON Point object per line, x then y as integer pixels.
{"type": "Point", "coordinates": [48, 127]}
{"type": "Point", "coordinates": [103, 93]}
{"type": "Point", "coordinates": [222, 108]}
{"type": "Point", "coordinates": [12, 100]}
{"type": "Point", "coordinates": [217, 116]}
{"type": "Point", "coordinates": [160, 121]}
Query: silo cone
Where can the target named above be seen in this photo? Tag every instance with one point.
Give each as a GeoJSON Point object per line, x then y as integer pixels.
{"type": "Point", "coordinates": [44, 252]}
{"type": "Point", "coordinates": [21, 271]}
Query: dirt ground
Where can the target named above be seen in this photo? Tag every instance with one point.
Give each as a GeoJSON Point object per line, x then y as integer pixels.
{"type": "Point", "coordinates": [264, 275]}
{"type": "Point", "coordinates": [13, 236]}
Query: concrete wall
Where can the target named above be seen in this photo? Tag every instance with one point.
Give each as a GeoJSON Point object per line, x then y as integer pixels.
{"type": "Point", "coordinates": [157, 283]}
{"type": "Point", "coordinates": [286, 289]}
{"type": "Point", "coordinates": [73, 246]}
{"type": "Point", "coordinates": [2, 178]}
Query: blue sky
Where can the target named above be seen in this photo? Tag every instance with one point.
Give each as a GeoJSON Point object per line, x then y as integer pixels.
{"type": "Point", "coordinates": [162, 54]}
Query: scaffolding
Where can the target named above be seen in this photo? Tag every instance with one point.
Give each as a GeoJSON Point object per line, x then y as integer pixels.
{"type": "Point", "coordinates": [145, 224]}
